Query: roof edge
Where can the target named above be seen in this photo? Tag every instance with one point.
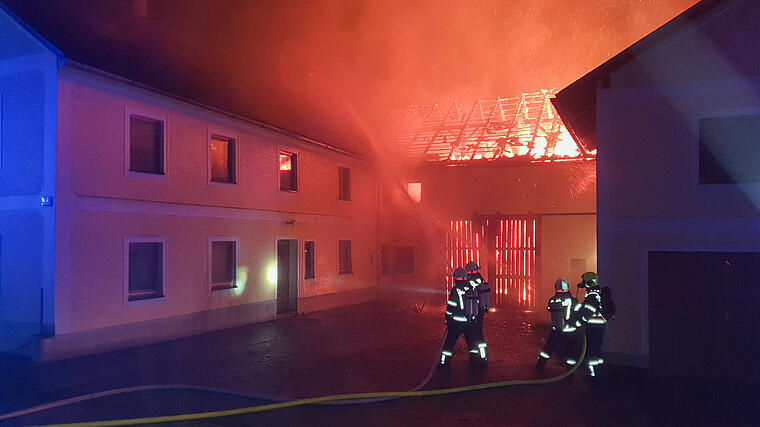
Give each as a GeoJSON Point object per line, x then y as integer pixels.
{"type": "Point", "coordinates": [34, 33]}
{"type": "Point", "coordinates": [648, 41]}
{"type": "Point", "coordinates": [264, 125]}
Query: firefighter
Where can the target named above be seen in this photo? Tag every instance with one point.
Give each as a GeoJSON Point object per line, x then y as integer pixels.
{"type": "Point", "coordinates": [484, 296]}
{"type": "Point", "coordinates": [461, 316]}
{"type": "Point", "coordinates": [560, 307]}
{"type": "Point", "coordinates": [588, 315]}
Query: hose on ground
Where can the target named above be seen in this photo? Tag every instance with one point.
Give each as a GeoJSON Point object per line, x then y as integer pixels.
{"type": "Point", "coordinates": [354, 398]}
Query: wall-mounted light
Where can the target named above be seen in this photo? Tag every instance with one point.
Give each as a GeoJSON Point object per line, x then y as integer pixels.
{"type": "Point", "coordinates": [290, 222]}
{"type": "Point", "coordinates": [46, 200]}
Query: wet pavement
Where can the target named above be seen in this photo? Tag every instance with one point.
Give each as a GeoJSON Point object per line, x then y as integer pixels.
{"type": "Point", "coordinates": [364, 348]}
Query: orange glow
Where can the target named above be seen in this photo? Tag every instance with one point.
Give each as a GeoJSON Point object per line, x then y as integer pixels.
{"type": "Point", "coordinates": [286, 162]}
{"type": "Point", "coordinates": [527, 127]}
{"type": "Point", "coordinates": [492, 310]}
{"type": "Point", "coordinates": [415, 191]}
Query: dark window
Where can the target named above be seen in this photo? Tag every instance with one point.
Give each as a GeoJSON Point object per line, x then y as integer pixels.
{"type": "Point", "coordinates": [222, 159]}
{"type": "Point", "coordinates": [396, 259]}
{"type": "Point", "coordinates": [146, 270]}
{"type": "Point", "coordinates": [308, 254]}
{"type": "Point", "coordinates": [386, 262]}
{"type": "Point", "coordinates": [288, 171]}
{"type": "Point", "coordinates": [223, 264]}
{"type": "Point", "coordinates": [146, 145]}
{"type": "Point", "coordinates": [403, 260]}
{"type": "Point", "coordinates": [729, 149]}
{"type": "Point", "coordinates": [344, 183]}
{"type": "Point", "coordinates": [344, 257]}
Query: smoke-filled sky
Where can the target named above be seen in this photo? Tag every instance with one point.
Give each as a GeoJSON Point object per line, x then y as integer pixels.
{"type": "Point", "coordinates": [327, 60]}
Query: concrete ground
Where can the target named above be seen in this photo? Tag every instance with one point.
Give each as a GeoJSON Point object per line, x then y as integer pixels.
{"type": "Point", "coordinates": [369, 347]}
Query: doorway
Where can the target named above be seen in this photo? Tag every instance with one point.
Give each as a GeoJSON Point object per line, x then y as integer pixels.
{"type": "Point", "coordinates": [506, 247]}
{"type": "Point", "coordinates": [287, 275]}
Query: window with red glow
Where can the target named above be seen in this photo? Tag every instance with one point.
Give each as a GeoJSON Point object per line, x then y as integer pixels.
{"type": "Point", "coordinates": [288, 171]}
{"type": "Point", "coordinates": [222, 159]}
{"type": "Point", "coordinates": [415, 191]}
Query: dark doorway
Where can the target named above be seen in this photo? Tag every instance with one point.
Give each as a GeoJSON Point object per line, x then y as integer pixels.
{"type": "Point", "coordinates": [287, 276]}
{"type": "Point", "coordinates": [702, 316]}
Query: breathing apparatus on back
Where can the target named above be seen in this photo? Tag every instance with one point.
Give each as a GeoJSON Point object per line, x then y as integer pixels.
{"type": "Point", "coordinates": [478, 283]}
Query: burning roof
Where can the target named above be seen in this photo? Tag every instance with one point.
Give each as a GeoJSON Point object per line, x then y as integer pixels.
{"type": "Point", "coordinates": [526, 127]}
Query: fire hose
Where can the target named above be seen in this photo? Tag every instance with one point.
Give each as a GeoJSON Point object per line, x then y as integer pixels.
{"type": "Point", "coordinates": [334, 399]}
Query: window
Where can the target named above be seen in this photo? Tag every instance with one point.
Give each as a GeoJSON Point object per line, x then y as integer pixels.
{"type": "Point", "coordinates": [224, 256]}
{"type": "Point", "coordinates": [344, 257]}
{"type": "Point", "coordinates": [223, 160]}
{"type": "Point", "coordinates": [146, 145]}
{"type": "Point", "coordinates": [729, 149]}
{"type": "Point", "coordinates": [396, 259]}
{"type": "Point", "coordinates": [414, 189]}
{"type": "Point", "coordinates": [344, 183]}
{"type": "Point", "coordinates": [403, 260]}
{"type": "Point", "coordinates": [146, 269]}
{"type": "Point", "coordinates": [308, 254]}
{"type": "Point", "coordinates": [288, 171]}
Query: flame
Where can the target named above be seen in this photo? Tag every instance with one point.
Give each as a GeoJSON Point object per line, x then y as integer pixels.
{"type": "Point", "coordinates": [286, 161]}
{"type": "Point", "coordinates": [526, 127]}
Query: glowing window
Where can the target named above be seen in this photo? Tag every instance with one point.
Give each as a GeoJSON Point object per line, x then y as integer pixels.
{"type": "Point", "coordinates": [224, 254]}
{"type": "Point", "coordinates": [146, 145]}
{"type": "Point", "coordinates": [288, 171]}
{"type": "Point", "coordinates": [146, 265]}
{"type": "Point", "coordinates": [414, 189]}
{"type": "Point", "coordinates": [344, 183]}
{"type": "Point", "coordinates": [223, 153]}
{"type": "Point", "coordinates": [308, 255]}
{"type": "Point", "coordinates": [344, 257]}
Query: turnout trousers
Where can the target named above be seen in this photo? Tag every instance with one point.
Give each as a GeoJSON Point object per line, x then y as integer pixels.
{"type": "Point", "coordinates": [552, 342]}
{"type": "Point", "coordinates": [472, 335]}
{"type": "Point", "coordinates": [594, 337]}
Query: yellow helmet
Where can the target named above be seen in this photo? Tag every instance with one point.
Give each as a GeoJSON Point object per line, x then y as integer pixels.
{"type": "Point", "coordinates": [589, 279]}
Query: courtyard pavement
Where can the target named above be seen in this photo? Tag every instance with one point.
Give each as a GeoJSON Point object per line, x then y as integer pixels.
{"type": "Point", "coordinates": [364, 348]}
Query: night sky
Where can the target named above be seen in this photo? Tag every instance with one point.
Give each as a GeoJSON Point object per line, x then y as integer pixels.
{"type": "Point", "coordinates": [329, 67]}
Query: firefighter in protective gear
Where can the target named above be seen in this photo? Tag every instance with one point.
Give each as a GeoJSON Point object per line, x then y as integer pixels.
{"type": "Point", "coordinates": [461, 315]}
{"type": "Point", "coordinates": [560, 307]}
{"type": "Point", "coordinates": [588, 315]}
{"type": "Point", "coordinates": [484, 297]}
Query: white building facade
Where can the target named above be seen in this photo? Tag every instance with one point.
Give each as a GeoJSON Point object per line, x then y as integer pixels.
{"type": "Point", "coordinates": [151, 217]}
{"type": "Point", "coordinates": [676, 126]}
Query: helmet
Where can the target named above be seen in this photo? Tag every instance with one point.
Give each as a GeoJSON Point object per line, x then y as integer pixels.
{"type": "Point", "coordinates": [471, 267]}
{"type": "Point", "coordinates": [561, 286]}
{"type": "Point", "coordinates": [589, 279]}
{"type": "Point", "coordinates": [460, 274]}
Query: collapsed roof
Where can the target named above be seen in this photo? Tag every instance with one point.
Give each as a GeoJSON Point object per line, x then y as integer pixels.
{"type": "Point", "coordinates": [525, 127]}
